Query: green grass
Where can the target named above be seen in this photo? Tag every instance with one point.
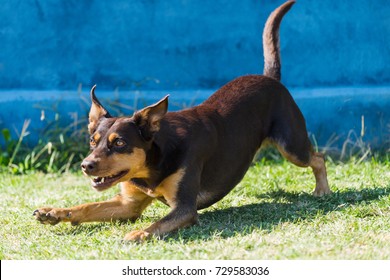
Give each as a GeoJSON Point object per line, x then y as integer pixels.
{"type": "Point", "coordinates": [269, 215]}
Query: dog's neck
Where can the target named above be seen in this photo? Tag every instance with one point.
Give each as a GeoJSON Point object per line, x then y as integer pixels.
{"type": "Point", "coordinates": [163, 157]}
{"type": "Point", "coordinates": [142, 184]}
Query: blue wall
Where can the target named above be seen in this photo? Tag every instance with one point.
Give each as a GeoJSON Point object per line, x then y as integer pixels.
{"type": "Point", "coordinates": [181, 44]}
{"type": "Point", "coordinates": [333, 115]}
{"type": "Point", "coordinates": [335, 56]}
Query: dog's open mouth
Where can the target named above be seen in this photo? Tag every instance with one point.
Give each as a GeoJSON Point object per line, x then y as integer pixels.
{"type": "Point", "coordinates": [101, 183]}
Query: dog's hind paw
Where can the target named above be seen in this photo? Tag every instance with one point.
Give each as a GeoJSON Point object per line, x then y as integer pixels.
{"type": "Point", "coordinates": [137, 236]}
{"type": "Point", "coordinates": [321, 192]}
{"type": "Point", "coordinates": [51, 216]}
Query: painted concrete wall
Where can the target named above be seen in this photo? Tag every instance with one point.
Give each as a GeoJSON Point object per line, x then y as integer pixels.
{"type": "Point", "coordinates": [333, 115]}
{"type": "Point", "coordinates": [49, 47]}
{"type": "Point", "coordinates": [176, 44]}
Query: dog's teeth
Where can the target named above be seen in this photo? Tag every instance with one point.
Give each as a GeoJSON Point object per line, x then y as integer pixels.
{"type": "Point", "coordinates": [104, 180]}
{"type": "Point", "coordinates": [96, 179]}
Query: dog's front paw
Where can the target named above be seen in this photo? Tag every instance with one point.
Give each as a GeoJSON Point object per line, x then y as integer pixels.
{"type": "Point", "coordinates": [51, 216]}
{"type": "Point", "coordinates": [137, 236]}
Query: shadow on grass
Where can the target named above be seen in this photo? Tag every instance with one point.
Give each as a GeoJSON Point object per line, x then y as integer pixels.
{"type": "Point", "coordinates": [281, 206]}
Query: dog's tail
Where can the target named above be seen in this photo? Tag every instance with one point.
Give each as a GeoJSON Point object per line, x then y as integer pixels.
{"type": "Point", "coordinates": [271, 45]}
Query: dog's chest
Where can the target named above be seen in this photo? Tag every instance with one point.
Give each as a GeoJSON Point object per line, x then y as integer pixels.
{"type": "Point", "coordinates": [166, 190]}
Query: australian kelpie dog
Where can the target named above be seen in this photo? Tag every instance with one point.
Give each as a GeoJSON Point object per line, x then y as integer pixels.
{"type": "Point", "coordinates": [192, 158]}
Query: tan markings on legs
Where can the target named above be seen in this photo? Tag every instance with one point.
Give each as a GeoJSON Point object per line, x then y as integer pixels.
{"type": "Point", "coordinates": [290, 157]}
{"type": "Point", "coordinates": [126, 206]}
{"type": "Point", "coordinates": [177, 219]}
{"type": "Point", "coordinates": [136, 197]}
{"type": "Point", "coordinates": [182, 220]}
{"type": "Point", "coordinates": [317, 163]}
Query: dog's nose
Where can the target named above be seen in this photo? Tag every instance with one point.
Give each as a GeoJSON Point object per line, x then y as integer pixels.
{"type": "Point", "coordinates": [88, 166]}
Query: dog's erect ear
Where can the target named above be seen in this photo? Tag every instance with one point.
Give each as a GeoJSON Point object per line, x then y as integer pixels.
{"type": "Point", "coordinates": [148, 119]}
{"type": "Point", "coordinates": [97, 111]}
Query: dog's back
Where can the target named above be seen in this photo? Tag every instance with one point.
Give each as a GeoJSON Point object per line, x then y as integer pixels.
{"type": "Point", "coordinates": [233, 123]}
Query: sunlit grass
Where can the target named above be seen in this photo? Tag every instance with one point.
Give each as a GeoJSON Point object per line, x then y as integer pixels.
{"type": "Point", "coordinates": [269, 215]}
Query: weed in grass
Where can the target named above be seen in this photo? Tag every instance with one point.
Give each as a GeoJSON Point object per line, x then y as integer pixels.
{"type": "Point", "coordinates": [57, 150]}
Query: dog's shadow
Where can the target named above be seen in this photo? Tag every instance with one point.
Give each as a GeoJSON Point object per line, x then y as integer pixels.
{"type": "Point", "coordinates": [280, 206]}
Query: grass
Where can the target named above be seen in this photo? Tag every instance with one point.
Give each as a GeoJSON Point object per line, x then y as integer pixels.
{"type": "Point", "coordinates": [269, 215]}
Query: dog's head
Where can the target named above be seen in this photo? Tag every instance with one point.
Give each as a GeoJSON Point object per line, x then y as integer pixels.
{"type": "Point", "coordinates": [119, 145]}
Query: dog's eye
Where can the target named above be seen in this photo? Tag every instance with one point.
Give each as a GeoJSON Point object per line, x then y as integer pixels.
{"type": "Point", "coordinates": [92, 142]}
{"type": "Point", "coordinates": [120, 143]}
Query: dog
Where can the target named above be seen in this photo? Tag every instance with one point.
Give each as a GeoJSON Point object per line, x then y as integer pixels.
{"type": "Point", "coordinates": [191, 159]}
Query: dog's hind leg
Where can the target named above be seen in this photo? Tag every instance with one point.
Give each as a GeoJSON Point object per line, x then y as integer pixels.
{"type": "Point", "coordinates": [317, 163]}
{"type": "Point", "coordinates": [305, 157]}
{"type": "Point", "coordinates": [289, 134]}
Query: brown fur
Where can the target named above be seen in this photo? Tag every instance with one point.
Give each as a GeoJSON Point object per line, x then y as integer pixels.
{"type": "Point", "coordinates": [271, 45]}
{"type": "Point", "coordinates": [192, 158]}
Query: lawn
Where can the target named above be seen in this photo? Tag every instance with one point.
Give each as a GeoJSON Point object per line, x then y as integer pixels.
{"type": "Point", "coordinates": [269, 215]}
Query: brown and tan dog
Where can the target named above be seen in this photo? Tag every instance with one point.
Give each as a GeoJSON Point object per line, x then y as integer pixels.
{"type": "Point", "coordinates": [192, 158]}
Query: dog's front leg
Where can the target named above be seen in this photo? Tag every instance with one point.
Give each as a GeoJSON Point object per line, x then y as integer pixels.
{"type": "Point", "coordinates": [180, 191]}
{"type": "Point", "coordinates": [179, 217]}
{"type": "Point", "coordinates": [125, 206]}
